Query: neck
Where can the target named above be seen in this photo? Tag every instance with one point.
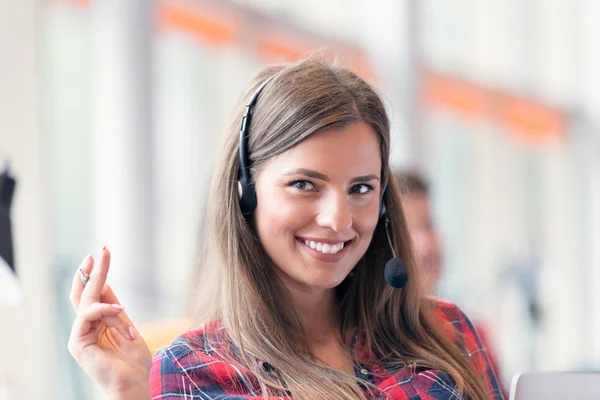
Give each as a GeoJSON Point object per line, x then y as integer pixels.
{"type": "Point", "coordinates": [318, 313]}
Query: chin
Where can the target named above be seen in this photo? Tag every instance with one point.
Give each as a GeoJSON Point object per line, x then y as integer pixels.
{"type": "Point", "coordinates": [325, 281]}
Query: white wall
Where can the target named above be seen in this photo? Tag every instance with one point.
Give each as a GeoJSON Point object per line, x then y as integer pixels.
{"type": "Point", "coordinates": [590, 94]}
{"type": "Point", "coordinates": [24, 330]}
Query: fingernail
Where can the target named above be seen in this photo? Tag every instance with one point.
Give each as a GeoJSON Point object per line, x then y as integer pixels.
{"type": "Point", "coordinates": [132, 333]}
{"type": "Point", "coordinates": [104, 248]}
{"type": "Point", "coordinates": [117, 306]}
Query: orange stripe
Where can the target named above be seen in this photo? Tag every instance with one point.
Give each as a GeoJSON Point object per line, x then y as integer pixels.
{"type": "Point", "coordinates": [282, 44]}
{"type": "Point", "coordinates": [527, 121]}
{"type": "Point", "coordinates": [533, 123]}
{"type": "Point", "coordinates": [460, 96]}
{"type": "Point", "coordinates": [217, 30]}
{"type": "Point", "coordinates": [281, 51]}
{"type": "Point", "coordinates": [75, 2]}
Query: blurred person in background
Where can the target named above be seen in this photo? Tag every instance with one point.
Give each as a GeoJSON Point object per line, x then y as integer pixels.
{"type": "Point", "coordinates": [303, 221]}
{"type": "Point", "coordinates": [427, 244]}
{"type": "Point", "coordinates": [426, 239]}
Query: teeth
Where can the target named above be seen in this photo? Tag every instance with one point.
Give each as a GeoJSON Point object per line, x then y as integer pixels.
{"type": "Point", "coordinates": [325, 248]}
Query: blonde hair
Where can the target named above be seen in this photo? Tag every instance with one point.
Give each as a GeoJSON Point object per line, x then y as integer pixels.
{"type": "Point", "coordinates": [237, 284]}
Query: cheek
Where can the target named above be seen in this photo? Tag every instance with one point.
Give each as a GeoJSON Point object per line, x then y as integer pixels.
{"type": "Point", "coordinates": [365, 225]}
{"type": "Point", "coordinates": [365, 216]}
{"type": "Point", "coordinates": [277, 218]}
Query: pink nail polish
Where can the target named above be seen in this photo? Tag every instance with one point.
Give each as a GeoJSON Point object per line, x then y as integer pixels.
{"type": "Point", "coordinates": [117, 306]}
{"type": "Point", "coordinates": [132, 333]}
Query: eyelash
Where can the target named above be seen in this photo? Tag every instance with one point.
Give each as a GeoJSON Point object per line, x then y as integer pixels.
{"type": "Point", "coordinates": [300, 181]}
{"type": "Point", "coordinates": [370, 188]}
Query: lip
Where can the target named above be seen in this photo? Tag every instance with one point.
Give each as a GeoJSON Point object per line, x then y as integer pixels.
{"type": "Point", "coordinates": [320, 255]}
{"type": "Point", "coordinates": [328, 241]}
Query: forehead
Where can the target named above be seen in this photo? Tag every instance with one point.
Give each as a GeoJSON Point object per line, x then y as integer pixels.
{"type": "Point", "coordinates": [338, 152]}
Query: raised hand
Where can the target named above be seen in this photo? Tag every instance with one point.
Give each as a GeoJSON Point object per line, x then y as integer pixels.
{"type": "Point", "coordinates": [103, 340]}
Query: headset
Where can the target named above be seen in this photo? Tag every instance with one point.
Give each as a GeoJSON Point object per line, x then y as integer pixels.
{"type": "Point", "coordinates": [246, 190]}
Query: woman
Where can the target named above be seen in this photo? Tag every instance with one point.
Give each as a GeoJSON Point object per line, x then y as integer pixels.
{"type": "Point", "coordinates": [293, 297]}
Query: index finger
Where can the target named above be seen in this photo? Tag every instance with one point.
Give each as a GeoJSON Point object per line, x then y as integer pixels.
{"type": "Point", "coordinates": [93, 289]}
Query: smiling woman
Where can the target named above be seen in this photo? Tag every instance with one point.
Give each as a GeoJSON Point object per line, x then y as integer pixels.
{"type": "Point", "coordinates": [318, 205]}
{"type": "Point", "coordinates": [293, 297]}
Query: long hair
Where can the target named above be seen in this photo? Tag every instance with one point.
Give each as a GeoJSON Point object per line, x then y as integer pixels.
{"type": "Point", "coordinates": [238, 286]}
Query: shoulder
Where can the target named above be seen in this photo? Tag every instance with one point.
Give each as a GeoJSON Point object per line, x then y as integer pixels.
{"type": "Point", "coordinates": [453, 321]}
{"type": "Point", "coordinates": [458, 327]}
{"type": "Point", "coordinates": [444, 309]}
{"type": "Point", "coordinates": [196, 362]}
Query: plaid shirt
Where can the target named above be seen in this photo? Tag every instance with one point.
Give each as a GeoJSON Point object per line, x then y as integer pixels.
{"type": "Point", "coordinates": [189, 369]}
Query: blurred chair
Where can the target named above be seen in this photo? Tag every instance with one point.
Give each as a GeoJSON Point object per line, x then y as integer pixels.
{"type": "Point", "coordinates": [556, 386]}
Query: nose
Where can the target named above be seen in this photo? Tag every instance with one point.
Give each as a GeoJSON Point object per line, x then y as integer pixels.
{"type": "Point", "coordinates": [335, 213]}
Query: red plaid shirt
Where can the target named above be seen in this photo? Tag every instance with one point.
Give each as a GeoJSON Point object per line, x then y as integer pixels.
{"type": "Point", "coordinates": [187, 369]}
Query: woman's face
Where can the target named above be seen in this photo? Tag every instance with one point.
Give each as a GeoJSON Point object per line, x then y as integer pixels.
{"type": "Point", "coordinates": [318, 205]}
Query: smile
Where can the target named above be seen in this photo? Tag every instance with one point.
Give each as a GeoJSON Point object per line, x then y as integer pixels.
{"type": "Point", "coordinates": [324, 251]}
{"type": "Point", "coordinates": [325, 248]}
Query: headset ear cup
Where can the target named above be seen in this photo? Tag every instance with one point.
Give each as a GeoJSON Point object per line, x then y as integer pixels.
{"type": "Point", "coordinates": [247, 198]}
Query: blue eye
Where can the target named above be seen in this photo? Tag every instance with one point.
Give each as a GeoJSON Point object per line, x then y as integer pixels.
{"type": "Point", "coordinates": [302, 185]}
{"type": "Point", "coordinates": [361, 188]}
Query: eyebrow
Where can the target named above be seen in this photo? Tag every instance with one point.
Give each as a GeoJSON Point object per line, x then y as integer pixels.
{"type": "Point", "coordinates": [365, 178]}
{"type": "Point", "coordinates": [317, 175]}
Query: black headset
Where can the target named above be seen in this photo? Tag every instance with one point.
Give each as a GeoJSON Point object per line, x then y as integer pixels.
{"type": "Point", "coordinates": [246, 190]}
